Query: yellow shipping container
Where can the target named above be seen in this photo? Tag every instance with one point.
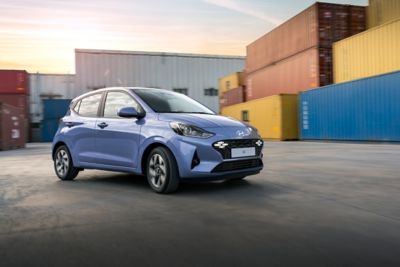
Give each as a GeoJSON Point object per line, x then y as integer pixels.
{"type": "Point", "coordinates": [382, 11]}
{"type": "Point", "coordinates": [229, 82]}
{"type": "Point", "coordinates": [275, 117]}
{"type": "Point", "coordinates": [369, 53]}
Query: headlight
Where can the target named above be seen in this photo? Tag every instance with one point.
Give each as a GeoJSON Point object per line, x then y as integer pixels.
{"type": "Point", "coordinates": [189, 130]}
{"type": "Point", "coordinates": [251, 128]}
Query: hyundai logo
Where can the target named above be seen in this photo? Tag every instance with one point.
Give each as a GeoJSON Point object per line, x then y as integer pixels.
{"type": "Point", "coordinates": [242, 133]}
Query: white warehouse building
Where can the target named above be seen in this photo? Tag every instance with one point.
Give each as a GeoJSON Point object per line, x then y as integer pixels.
{"type": "Point", "coordinates": [191, 74]}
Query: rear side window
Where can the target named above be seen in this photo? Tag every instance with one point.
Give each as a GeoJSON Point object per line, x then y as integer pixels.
{"type": "Point", "coordinates": [115, 101]}
{"type": "Point", "coordinates": [76, 106]}
{"type": "Point", "coordinates": [88, 106]}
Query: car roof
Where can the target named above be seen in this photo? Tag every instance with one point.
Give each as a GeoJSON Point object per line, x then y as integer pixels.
{"type": "Point", "coordinates": [124, 88]}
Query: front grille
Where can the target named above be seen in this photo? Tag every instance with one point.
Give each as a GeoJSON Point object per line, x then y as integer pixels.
{"type": "Point", "coordinates": [225, 151]}
{"type": "Point", "coordinates": [238, 165]}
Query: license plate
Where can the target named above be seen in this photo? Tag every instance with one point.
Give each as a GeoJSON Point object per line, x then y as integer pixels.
{"type": "Point", "coordinates": [243, 152]}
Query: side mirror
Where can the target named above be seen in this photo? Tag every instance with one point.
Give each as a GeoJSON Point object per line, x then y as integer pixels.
{"type": "Point", "coordinates": [129, 112]}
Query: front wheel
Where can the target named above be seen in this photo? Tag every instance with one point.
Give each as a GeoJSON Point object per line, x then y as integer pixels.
{"type": "Point", "coordinates": [162, 171]}
{"type": "Point", "coordinates": [63, 164]}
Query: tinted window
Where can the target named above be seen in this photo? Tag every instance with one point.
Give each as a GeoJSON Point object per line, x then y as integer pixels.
{"type": "Point", "coordinates": [115, 101]}
{"type": "Point", "coordinates": [211, 92]}
{"type": "Point", "coordinates": [164, 101]}
{"type": "Point", "coordinates": [245, 115]}
{"type": "Point", "coordinates": [89, 105]}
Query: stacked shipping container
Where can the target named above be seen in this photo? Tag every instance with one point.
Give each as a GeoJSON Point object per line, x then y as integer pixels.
{"type": "Point", "coordinates": [295, 56]}
{"type": "Point", "coordinates": [362, 106]}
{"type": "Point", "coordinates": [232, 89]}
{"type": "Point", "coordinates": [14, 91]}
{"type": "Point", "coordinates": [300, 48]}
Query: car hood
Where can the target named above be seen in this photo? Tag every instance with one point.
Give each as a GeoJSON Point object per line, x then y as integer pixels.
{"type": "Point", "coordinates": [201, 120]}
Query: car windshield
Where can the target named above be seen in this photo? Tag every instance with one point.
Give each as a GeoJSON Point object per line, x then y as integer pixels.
{"type": "Point", "coordinates": [164, 101]}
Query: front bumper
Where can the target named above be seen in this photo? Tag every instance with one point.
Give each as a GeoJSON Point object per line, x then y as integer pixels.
{"type": "Point", "coordinates": [214, 164]}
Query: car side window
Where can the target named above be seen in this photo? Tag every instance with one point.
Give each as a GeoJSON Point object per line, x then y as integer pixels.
{"type": "Point", "coordinates": [115, 101]}
{"type": "Point", "coordinates": [89, 105]}
{"type": "Point", "coordinates": [76, 106]}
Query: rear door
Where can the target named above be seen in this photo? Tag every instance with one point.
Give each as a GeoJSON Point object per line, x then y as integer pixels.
{"type": "Point", "coordinates": [81, 127]}
{"type": "Point", "coordinates": [117, 139]}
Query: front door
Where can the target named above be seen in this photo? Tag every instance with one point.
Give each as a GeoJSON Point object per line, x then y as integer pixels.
{"type": "Point", "coordinates": [117, 139]}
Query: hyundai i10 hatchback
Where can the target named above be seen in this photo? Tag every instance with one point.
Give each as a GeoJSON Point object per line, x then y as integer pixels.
{"type": "Point", "coordinates": [166, 136]}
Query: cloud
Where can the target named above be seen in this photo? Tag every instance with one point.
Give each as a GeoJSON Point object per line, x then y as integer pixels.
{"type": "Point", "coordinates": [241, 8]}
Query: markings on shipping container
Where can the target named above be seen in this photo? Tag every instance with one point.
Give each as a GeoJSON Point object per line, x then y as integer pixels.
{"type": "Point", "coordinates": [305, 115]}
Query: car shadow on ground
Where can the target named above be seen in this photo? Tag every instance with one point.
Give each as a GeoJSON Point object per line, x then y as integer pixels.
{"type": "Point", "coordinates": [129, 181]}
{"type": "Point", "coordinates": [115, 179]}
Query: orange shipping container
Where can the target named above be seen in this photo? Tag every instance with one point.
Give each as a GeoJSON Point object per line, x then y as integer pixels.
{"type": "Point", "coordinates": [318, 26]}
{"type": "Point", "coordinates": [309, 69]}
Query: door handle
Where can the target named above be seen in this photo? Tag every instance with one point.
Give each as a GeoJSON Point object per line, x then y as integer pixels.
{"type": "Point", "coordinates": [102, 125]}
{"type": "Point", "coordinates": [70, 124]}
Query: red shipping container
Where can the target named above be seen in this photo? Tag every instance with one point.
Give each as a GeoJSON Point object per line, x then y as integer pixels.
{"type": "Point", "coordinates": [14, 82]}
{"type": "Point", "coordinates": [309, 69]}
{"type": "Point", "coordinates": [12, 127]}
{"type": "Point", "coordinates": [17, 100]}
{"type": "Point", "coordinates": [233, 96]}
{"type": "Point", "coordinates": [318, 26]}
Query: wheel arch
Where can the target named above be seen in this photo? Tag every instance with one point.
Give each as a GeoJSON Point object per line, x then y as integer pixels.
{"type": "Point", "coordinates": [56, 146]}
{"type": "Point", "coordinates": [147, 151]}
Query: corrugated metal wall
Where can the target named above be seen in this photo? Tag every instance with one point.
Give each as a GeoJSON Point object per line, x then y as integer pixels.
{"type": "Point", "coordinates": [382, 11]}
{"type": "Point", "coordinates": [369, 53]}
{"type": "Point", "coordinates": [45, 86]}
{"type": "Point", "coordinates": [99, 68]}
{"type": "Point", "coordinates": [361, 110]}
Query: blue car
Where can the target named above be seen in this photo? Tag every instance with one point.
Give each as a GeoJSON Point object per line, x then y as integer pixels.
{"type": "Point", "coordinates": [166, 136]}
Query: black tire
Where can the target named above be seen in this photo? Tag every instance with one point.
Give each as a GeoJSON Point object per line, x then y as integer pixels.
{"type": "Point", "coordinates": [63, 165]}
{"type": "Point", "coordinates": [162, 171]}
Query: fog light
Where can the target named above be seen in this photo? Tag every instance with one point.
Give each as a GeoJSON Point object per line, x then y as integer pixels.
{"type": "Point", "coordinates": [221, 144]}
{"type": "Point", "coordinates": [195, 160]}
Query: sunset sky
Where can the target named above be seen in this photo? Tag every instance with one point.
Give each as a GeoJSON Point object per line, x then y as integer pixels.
{"type": "Point", "coordinates": [41, 35]}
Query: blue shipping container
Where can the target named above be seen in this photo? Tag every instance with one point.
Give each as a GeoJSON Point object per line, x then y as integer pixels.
{"type": "Point", "coordinates": [361, 110]}
{"type": "Point", "coordinates": [48, 129]}
{"type": "Point", "coordinates": [55, 108]}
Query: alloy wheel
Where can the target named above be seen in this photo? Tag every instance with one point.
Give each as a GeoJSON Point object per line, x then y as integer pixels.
{"type": "Point", "coordinates": [62, 162]}
{"type": "Point", "coordinates": [157, 171]}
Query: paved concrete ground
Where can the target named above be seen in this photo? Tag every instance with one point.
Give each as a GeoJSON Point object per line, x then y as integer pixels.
{"type": "Point", "coordinates": [315, 204]}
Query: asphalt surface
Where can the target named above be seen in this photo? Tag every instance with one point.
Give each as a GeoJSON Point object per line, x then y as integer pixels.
{"type": "Point", "coordinates": [314, 204]}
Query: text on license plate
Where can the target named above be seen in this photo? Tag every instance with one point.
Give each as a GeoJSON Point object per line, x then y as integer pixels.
{"type": "Point", "coordinates": [243, 152]}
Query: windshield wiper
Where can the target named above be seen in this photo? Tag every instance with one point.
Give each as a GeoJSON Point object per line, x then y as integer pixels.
{"type": "Point", "coordinates": [201, 113]}
{"type": "Point", "coordinates": [184, 112]}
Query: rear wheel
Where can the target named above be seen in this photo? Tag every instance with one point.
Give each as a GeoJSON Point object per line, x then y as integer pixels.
{"type": "Point", "coordinates": [162, 171]}
{"type": "Point", "coordinates": [63, 164]}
